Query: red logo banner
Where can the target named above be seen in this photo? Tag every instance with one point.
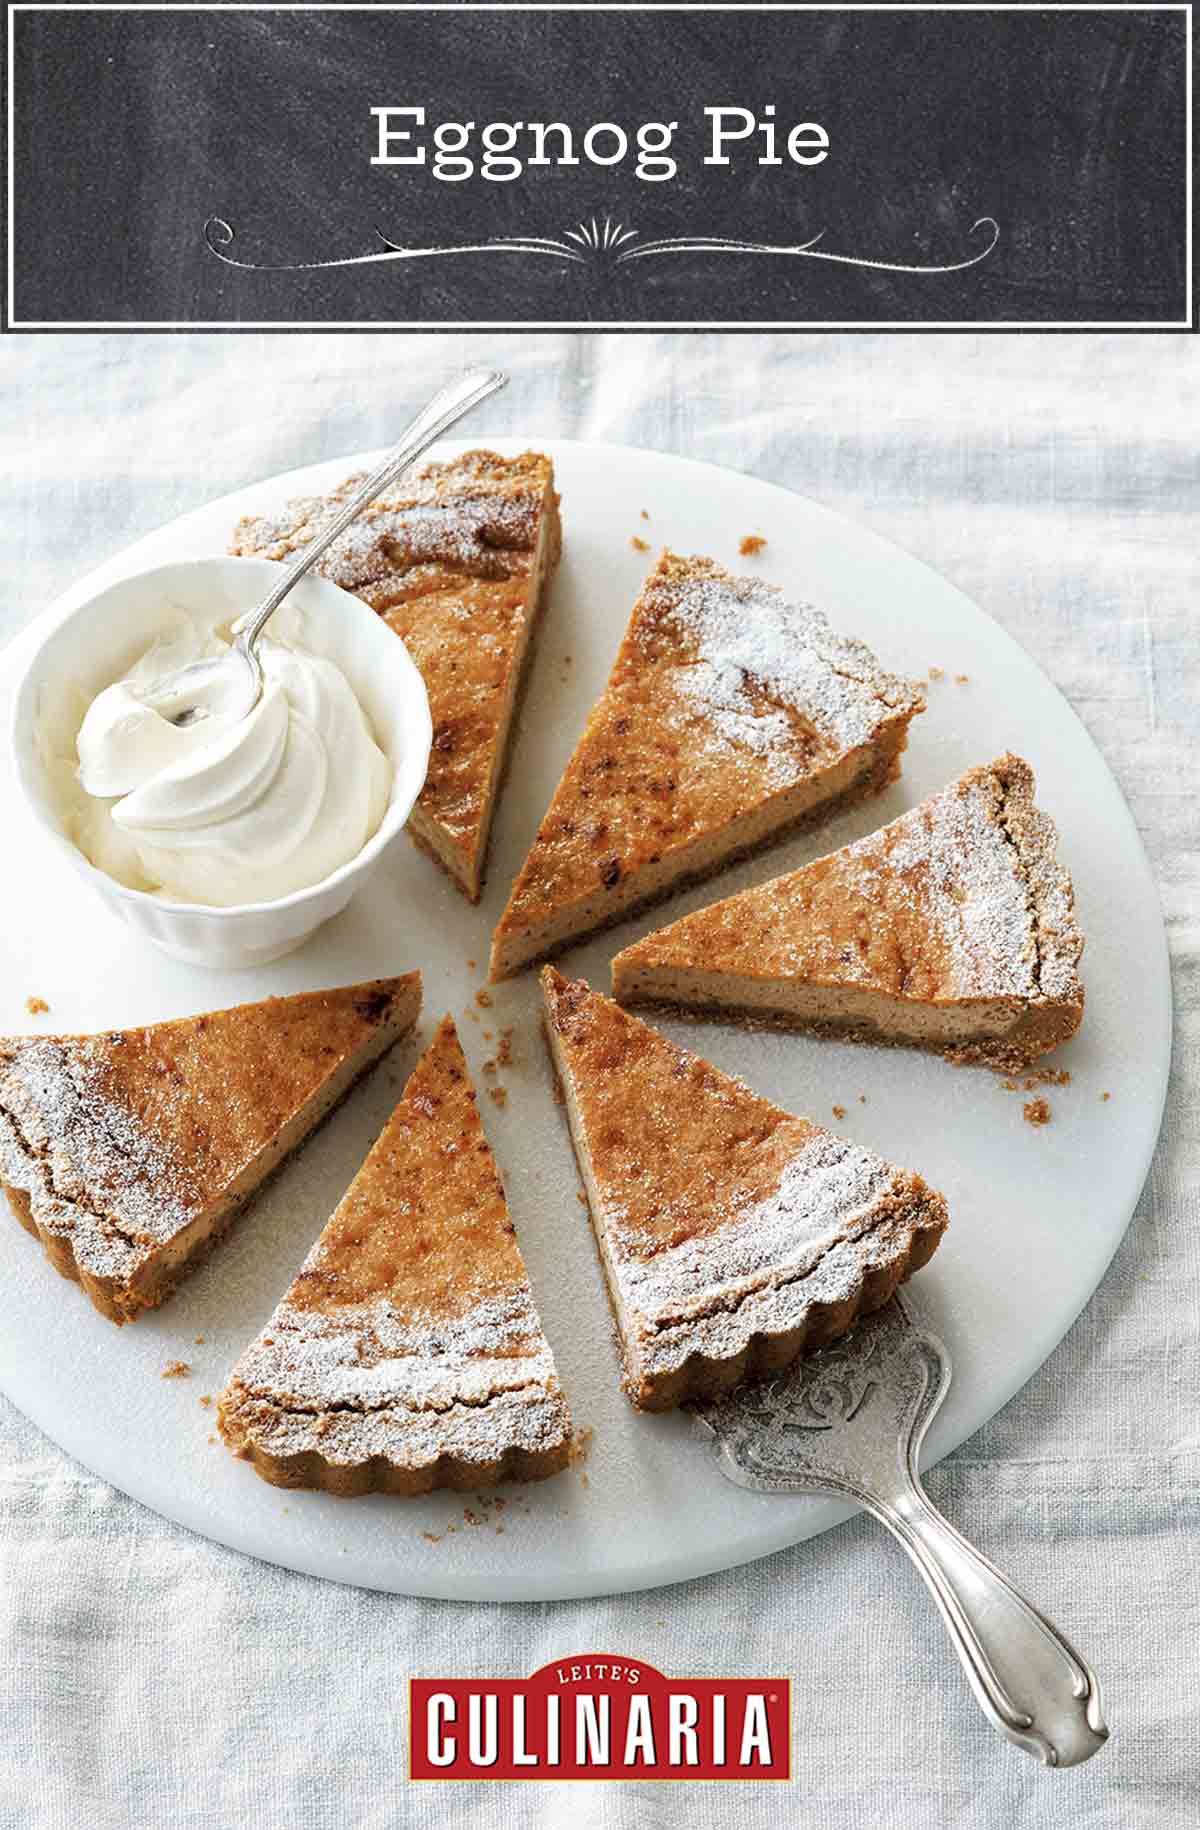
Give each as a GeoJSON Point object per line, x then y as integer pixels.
{"type": "Point", "coordinates": [594, 1716]}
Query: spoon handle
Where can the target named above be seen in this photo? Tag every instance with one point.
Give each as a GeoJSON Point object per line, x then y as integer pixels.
{"type": "Point", "coordinates": [446, 408]}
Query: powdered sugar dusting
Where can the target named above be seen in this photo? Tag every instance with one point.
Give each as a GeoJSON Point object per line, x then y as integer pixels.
{"type": "Point", "coordinates": [452, 515]}
{"type": "Point", "coordinates": [718, 692]}
{"type": "Point", "coordinates": [976, 866]}
{"type": "Point", "coordinates": [1050, 892]}
{"type": "Point", "coordinates": [779, 1305]}
{"type": "Point", "coordinates": [373, 1379]}
{"type": "Point", "coordinates": [961, 899]}
{"type": "Point", "coordinates": [749, 640]}
{"type": "Point", "coordinates": [375, 1353]}
{"type": "Point", "coordinates": [831, 1194]}
{"type": "Point", "coordinates": [827, 1189]}
{"type": "Point", "coordinates": [92, 1172]}
{"type": "Point", "coordinates": [966, 880]}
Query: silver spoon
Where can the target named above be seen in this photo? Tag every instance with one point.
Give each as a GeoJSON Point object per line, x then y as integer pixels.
{"type": "Point", "coordinates": [231, 684]}
{"type": "Point", "coordinates": [848, 1421]}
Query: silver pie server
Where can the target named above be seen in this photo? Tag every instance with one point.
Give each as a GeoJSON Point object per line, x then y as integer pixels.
{"type": "Point", "coordinates": [232, 683]}
{"type": "Point", "coordinates": [848, 1421]}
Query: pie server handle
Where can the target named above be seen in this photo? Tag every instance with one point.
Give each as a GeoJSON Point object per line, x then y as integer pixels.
{"type": "Point", "coordinates": [848, 1421]}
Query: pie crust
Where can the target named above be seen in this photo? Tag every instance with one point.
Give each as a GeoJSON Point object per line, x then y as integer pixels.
{"type": "Point", "coordinates": [952, 929]}
{"type": "Point", "coordinates": [129, 1154]}
{"type": "Point", "coordinates": [730, 717]}
{"type": "Point", "coordinates": [458, 561]}
{"type": "Point", "coordinates": [408, 1353]}
{"type": "Point", "coordinates": [734, 1236]}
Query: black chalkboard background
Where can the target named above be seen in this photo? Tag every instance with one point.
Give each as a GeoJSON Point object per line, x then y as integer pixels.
{"type": "Point", "coordinates": [132, 130]}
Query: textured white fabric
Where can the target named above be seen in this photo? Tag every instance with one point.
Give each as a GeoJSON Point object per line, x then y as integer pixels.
{"type": "Point", "coordinates": [150, 1678]}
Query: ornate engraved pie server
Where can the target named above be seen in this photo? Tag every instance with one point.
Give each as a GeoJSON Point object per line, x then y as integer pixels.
{"type": "Point", "coordinates": [848, 1421]}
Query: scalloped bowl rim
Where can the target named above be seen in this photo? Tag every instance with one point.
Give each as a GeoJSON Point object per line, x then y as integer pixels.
{"type": "Point", "coordinates": [38, 798]}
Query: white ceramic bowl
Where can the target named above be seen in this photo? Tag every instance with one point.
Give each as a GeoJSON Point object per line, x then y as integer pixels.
{"type": "Point", "coordinates": [98, 640]}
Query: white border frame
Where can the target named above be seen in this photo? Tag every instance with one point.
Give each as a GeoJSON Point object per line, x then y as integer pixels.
{"type": "Point", "coordinates": [15, 324]}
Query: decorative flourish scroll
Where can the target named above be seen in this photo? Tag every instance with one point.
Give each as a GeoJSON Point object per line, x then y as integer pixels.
{"type": "Point", "coordinates": [832, 1386]}
{"type": "Point", "coordinates": [592, 244]}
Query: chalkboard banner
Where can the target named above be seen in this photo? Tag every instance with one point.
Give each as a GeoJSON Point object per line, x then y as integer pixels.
{"type": "Point", "coordinates": [630, 167]}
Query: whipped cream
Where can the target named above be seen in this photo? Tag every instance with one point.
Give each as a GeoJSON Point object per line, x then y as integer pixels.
{"type": "Point", "coordinates": [228, 811]}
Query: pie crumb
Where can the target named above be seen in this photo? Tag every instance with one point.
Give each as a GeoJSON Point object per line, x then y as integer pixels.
{"type": "Point", "coordinates": [199, 1340]}
{"type": "Point", "coordinates": [498, 1096]}
{"type": "Point", "coordinates": [431, 1537]}
{"type": "Point", "coordinates": [937, 673]}
{"type": "Point", "coordinates": [862, 1099]}
{"type": "Point", "coordinates": [483, 998]}
{"type": "Point", "coordinates": [37, 1007]}
{"type": "Point", "coordinates": [1037, 1112]}
{"type": "Point", "coordinates": [750, 545]}
{"type": "Point", "coordinates": [206, 1400]}
{"type": "Point", "coordinates": [504, 1053]}
{"type": "Point", "coordinates": [176, 1369]}
{"type": "Point", "coordinates": [470, 965]}
{"type": "Point", "coordinates": [645, 514]}
{"type": "Point", "coordinates": [489, 1067]}
{"type": "Point", "coordinates": [581, 1445]}
{"type": "Point", "coordinates": [638, 544]}
{"type": "Point", "coordinates": [962, 679]}
{"type": "Point", "coordinates": [1106, 1096]}
{"type": "Point", "coordinates": [1045, 1077]}
{"type": "Point", "coordinates": [839, 1112]}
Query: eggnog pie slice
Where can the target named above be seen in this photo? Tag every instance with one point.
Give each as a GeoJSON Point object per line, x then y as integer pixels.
{"type": "Point", "coordinates": [128, 1154]}
{"type": "Point", "coordinates": [733, 1235]}
{"type": "Point", "coordinates": [408, 1353]}
{"type": "Point", "coordinates": [951, 929]}
{"type": "Point", "coordinates": [730, 715]}
{"type": "Point", "coordinates": [458, 560]}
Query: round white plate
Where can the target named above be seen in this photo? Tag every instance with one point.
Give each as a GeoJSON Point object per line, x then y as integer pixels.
{"type": "Point", "coordinates": [1035, 1214]}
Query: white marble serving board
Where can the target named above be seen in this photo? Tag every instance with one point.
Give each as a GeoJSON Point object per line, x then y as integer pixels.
{"type": "Point", "coordinates": [1035, 1213]}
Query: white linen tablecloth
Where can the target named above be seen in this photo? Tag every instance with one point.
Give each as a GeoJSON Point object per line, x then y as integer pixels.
{"type": "Point", "coordinates": [148, 1678]}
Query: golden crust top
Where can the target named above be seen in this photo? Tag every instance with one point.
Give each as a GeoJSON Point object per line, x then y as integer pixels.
{"type": "Point", "coordinates": [408, 1353]}
{"type": "Point", "coordinates": [723, 696]}
{"type": "Point", "coordinates": [448, 560]}
{"type": "Point", "coordinates": [123, 1139]}
{"type": "Point", "coordinates": [960, 898]}
{"type": "Point", "coordinates": [681, 1150]}
{"type": "Point", "coordinates": [425, 1222]}
{"type": "Point", "coordinates": [725, 1221]}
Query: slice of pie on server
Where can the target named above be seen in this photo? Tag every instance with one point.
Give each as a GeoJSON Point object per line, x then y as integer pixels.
{"type": "Point", "coordinates": [408, 1353]}
{"type": "Point", "coordinates": [951, 929]}
{"type": "Point", "coordinates": [458, 560]}
{"type": "Point", "coordinates": [128, 1154]}
{"type": "Point", "coordinates": [733, 1235]}
{"type": "Point", "coordinates": [730, 716]}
